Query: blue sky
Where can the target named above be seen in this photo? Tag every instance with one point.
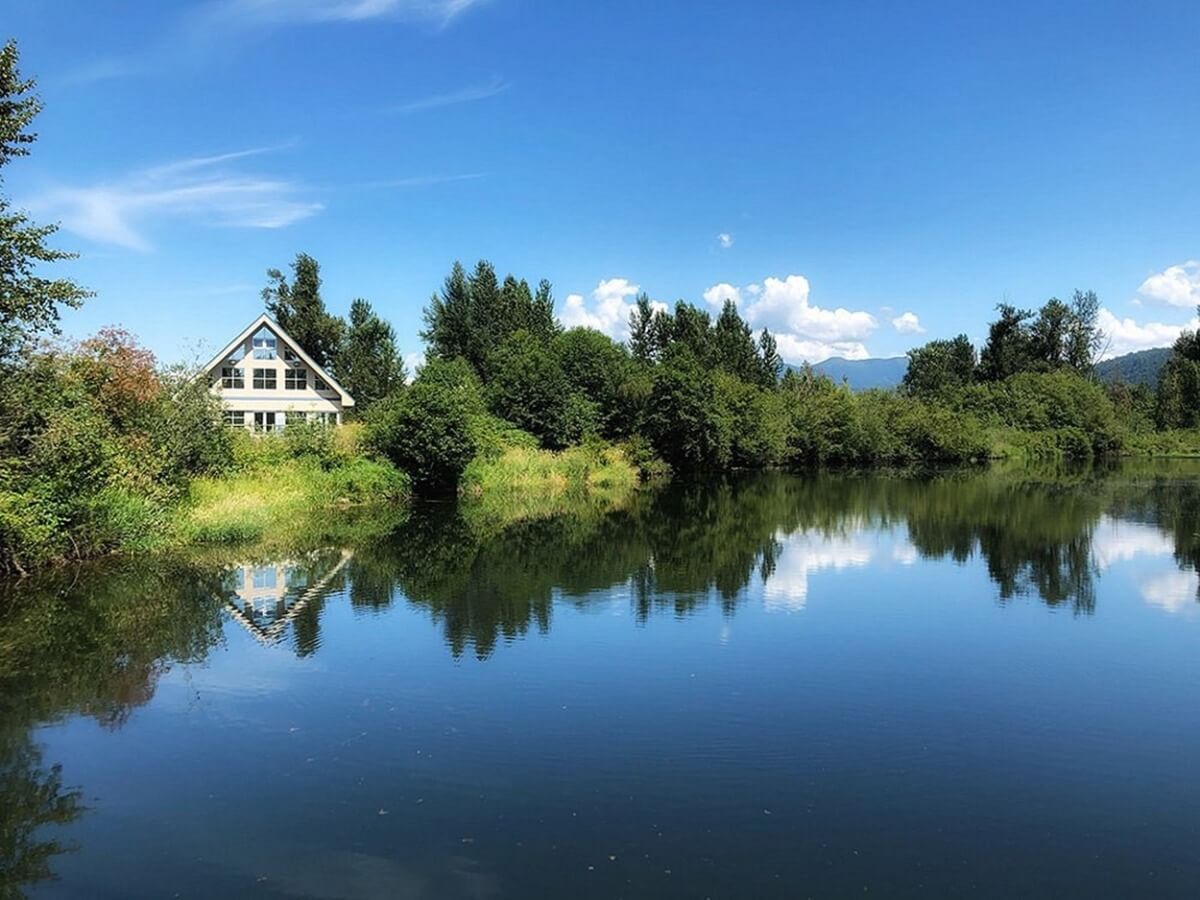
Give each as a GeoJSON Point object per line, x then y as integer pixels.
{"type": "Point", "coordinates": [860, 176]}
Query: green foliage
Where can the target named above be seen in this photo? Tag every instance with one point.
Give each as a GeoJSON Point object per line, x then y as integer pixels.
{"type": "Point", "coordinates": [426, 430]}
{"type": "Point", "coordinates": [29, 302]}
{"type": "Point", "coordinates": [528, 388]}
{"type": "Point", "coordinates": [939, 367]}
{"type": "Point", "coordinates": [684, 423]}
{"type": "Point", "coordinates": [474, 315]}
{"type": "Point", "coordinates": [300, 310]}
{"type": "Point", "coordinates": [369, 364]}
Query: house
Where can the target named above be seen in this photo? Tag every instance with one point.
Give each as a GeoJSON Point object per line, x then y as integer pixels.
{"type": "Point", "coordinates": [265, 597]}
{"type": "Point", "coordinates": [266, 381]}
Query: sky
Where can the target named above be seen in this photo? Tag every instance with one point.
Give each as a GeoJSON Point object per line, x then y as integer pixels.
{"type": "Point", "coordinates": [860, 177]}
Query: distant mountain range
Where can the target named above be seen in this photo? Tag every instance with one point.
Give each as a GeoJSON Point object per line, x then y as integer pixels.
{"type": "Point", "coordinates": [1141, 367]}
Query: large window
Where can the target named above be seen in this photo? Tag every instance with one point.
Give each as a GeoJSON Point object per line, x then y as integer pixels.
{"type": "Point", "coordinates": [264, 421]}
{"type": "Point", "coordinates": [295, 379]}
{"type": "Point", "coordinates": [232, 377]}
{"type": "Point", "coordinates": [235, 417]}
{"type": "Point", "coordinates": [264, 379]}
{"type": "Point", "coordinates": [264, 344]}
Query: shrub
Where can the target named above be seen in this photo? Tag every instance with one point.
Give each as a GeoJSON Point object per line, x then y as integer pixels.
{"type": "Point", "coordinates": [426, 431]}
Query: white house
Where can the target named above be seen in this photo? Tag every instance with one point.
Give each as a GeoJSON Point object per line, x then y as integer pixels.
{"type": "Point", "coordinates": [265, 380]}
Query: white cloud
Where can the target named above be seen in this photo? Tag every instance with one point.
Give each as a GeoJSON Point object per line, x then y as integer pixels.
{"type": "Point", "coordinates": [612, 302]}
{"type": "Point", "coordinates": [412, 362]}
{"type": "Point", "coordinates": [468, 94]}
{"type": "Point", "coordinates": [201, 189]}
{"type": "Point", "coordinates": [1172, 591]}
{"type": "Point", "coordinates": [1174, 286]}
{"type": "Point", "coordinates": [725, 239]}
{"type": "Point", "coordinates": [1126, 335]}
{"type": "Point", "coordinates": [801, 555]}
{"type": "Point", "coordinates": [908, 323]}
{"type": "Point", "coordinates": [804, 332]}
{"type": "Point", "coordinates": [313, 11]}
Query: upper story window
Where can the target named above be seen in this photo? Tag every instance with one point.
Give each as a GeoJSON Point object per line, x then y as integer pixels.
{"type": "Point", "coordinates": [233, 377]}
{"type": "Point", "coordinates": [319, 384]}
{"type": "Point", "coordinates": [264, 380]}
{"type": "Point", "coordinates": [295, 379]}
{"type": "Point", "coordinates": [264, 344]}
{"type": "Point", "coordinates": [289, 355]}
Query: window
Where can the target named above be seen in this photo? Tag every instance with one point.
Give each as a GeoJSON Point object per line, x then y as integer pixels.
{"type": "Point", "coordinates": [289, 355]}
{"type": "Point", "coordinates": [264, 577]}
{"type": "Point", "coordinates": [319, 384]}
{"type": "Point", "coordinates": [294, 418]}
{"type": "Point", "coordinates": [264, 344]}
{"type": "Point", "coordinates": [264, 421]}
{"type": "Point", "coordinates": [233, 377]}
{"type": "Point", "coordinates": [235, 417]}
{"type": "Point", "coordinates": [326, 418]}
{"type": "Point", "coordinates": [295, 379]}
{"type": "Point", "coordinates": [264, 379]}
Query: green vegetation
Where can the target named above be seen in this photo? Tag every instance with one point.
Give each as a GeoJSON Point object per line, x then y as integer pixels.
{"type": "Point", "coordinates": [101, 449]}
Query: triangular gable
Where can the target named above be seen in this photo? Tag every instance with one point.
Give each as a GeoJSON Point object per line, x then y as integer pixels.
{"type": "Point", "coordinates": [274, 326]}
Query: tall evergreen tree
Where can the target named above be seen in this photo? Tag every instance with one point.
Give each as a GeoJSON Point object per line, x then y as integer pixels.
{"type": "Point", "coordinates": [29, 302]}
{"type": "Point", "coordinates": [369, 364]}
{"type": "Point", "coordinates": [641, 322]}
{"type": "Point", "coordinates": [300, 310]}
{"type": "Point", "coordinates": [542, 322]}
{"type": "Point", "coordinates": [735, 350]}
{"type": "Point", "coordinates": [769, 360]}
{"type": "Point", "coordinates": [448, 318]}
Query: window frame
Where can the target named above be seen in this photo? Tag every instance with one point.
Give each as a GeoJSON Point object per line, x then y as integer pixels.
{"type": "Point", "coordinates": [262, 377]}
{"type": "Point", "coordinates": [265, 422]}
{"type": "Point", "coordinates": [291, 376]}
{"type": "Point", "coordinates": [234, 418]}
{"type": "Point", "coordinates": [233, 377]}
{"type": "Point", "coordinates": [320, 384]}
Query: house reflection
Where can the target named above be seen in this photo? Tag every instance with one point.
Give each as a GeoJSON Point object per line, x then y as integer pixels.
{"type": "Point", "coordinates": [266, 597]}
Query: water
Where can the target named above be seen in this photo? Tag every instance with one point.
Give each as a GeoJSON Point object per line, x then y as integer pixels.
{"type": "Point", "coordinates": [979, 684]}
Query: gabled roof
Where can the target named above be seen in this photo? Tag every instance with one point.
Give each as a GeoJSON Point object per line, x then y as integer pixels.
{"type": "Point", "coordinates": [270, 323]}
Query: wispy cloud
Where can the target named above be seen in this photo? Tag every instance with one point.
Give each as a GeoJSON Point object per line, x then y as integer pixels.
{"type": "Point", "coordinates": [724, 240]}
{"type": "Point", "coordinates": [279, 12]}
{"type": "Point", "coordinates": [419, 181]}
{"type": "Point", "coordinates": [204, 190]}
{"type": "Point", "coordinates": [469, 94]}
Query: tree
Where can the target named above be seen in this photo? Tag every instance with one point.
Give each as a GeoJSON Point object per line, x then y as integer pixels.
{"type": "Point", "coordinates": [528, 389]}
{"type": "Point", "coordinates": [595, 367]}
{"type": "Point", "coordinates": [300, 310]}
{"type": "Point", "coordinates": [369, 364]}
{"type": "Point", "coordinates": [448, 318]}
{"type": "Point", "coordinates": [684, 423]}
{"type": "Point", "coordinates": [733, 345]}
{"type": "Point", "coordinates": [1009, 347]}
{"type": "Point", "coordinates": [426, 429]}
{"type": "Point", "coordinates": [1084, 337]}
{"type": "Point", "coordinates": [939, 367]}
{"type": "Point", "coordinates": [641, 320]}
{"type": "Point", "coordinates": [29, 302]}
{"type": "Point", "coordinates": [769, 361]}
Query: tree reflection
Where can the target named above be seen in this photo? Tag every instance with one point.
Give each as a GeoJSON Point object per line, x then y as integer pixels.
{"type": "Point", "coordinates": [93, 646]}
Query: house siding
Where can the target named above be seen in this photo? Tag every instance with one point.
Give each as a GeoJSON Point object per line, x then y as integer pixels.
{"type": "Point", "coordinates": [280, 399]}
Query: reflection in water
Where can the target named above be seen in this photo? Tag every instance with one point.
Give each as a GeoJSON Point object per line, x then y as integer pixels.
{"type": "Point", "coordinates": [96, 644]}
{"type": "Point", "coordinates": [266, 597]}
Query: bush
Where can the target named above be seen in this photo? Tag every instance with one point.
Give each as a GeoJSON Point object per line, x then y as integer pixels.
{"type": "Point", "coordinates": [426, 431]}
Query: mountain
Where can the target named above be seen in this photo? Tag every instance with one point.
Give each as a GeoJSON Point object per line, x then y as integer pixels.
{"type": "Point", "coordinates": [1140, 367]}
{"type": "Point", "coordinates": [864, 374]}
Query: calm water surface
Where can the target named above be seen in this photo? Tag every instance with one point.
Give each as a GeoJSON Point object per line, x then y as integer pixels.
{"type": "Point", "coordinates": [979, 684]}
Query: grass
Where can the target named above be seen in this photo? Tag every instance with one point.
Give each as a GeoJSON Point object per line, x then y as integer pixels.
{"type": "Point", "coordinates": [523, 483]}
{"type": "Point", "coordinates": [282, 495]}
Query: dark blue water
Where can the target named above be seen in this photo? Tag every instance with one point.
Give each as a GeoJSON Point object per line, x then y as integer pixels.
{"type": "Point", "coordinates": [977, 684]}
